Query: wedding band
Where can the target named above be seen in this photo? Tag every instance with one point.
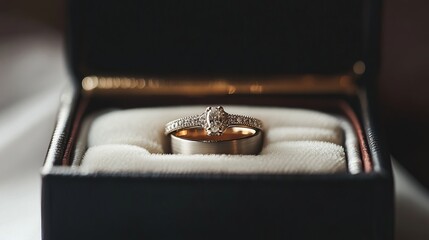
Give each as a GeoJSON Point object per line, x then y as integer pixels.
{"type": "Point", "coordinates": [214, 120]}
{"type": "Point", "coordinates": [234, 140]}
{"type": "Point", "coordinates": [215, 132]}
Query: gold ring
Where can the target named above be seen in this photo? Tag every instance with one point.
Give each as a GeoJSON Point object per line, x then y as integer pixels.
{"type": "Point", "coordinates": [215, 132]}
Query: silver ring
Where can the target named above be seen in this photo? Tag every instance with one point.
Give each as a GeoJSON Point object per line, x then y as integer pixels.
{"type": "Point", "coordinates": [214, 120]}
{"type": "Point", "coordinates": [234, 140]}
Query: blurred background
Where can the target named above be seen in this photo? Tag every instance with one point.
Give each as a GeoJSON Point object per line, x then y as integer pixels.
{"type": "Point", "coordinates": [32, 70]}
{"type": "Point", "coordinates": [404, 83]}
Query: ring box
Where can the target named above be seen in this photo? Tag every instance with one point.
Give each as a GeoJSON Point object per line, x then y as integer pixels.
{"type": "Point", "coordinates": [295, 53]}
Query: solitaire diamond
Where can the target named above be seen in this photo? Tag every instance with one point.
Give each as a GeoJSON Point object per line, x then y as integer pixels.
{"type": "Point", "coordinates": [216, 121]}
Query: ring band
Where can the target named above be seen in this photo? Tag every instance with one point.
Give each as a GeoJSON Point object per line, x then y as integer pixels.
{"type": "Point", "coordinates": [234, 140]}
{"type": "Point", "coordinates": [214, 120]}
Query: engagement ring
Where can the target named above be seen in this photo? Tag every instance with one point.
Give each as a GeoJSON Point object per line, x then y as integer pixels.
{"type": "Point", "coordinates": [215, 132]}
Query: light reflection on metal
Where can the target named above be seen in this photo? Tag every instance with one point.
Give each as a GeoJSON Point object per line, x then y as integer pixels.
{"type": "Point", "coordinates": [359, 68]}
{"type": "Point", "coordinates": [181, 86]}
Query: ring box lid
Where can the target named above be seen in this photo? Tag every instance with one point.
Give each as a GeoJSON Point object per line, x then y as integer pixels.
{"type": "Point", "coordinates": [222, 37]}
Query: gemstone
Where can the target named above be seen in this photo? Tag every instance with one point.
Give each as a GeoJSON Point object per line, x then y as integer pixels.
{"type": "Point", "coordinates": [216, 121]}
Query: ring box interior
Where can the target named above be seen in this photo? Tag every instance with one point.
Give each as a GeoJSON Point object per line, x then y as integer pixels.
{"type": "Point", "coordinates": [320, 55]}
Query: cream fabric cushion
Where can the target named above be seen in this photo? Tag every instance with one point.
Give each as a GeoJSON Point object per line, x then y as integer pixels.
{"type": "Point", "coordinates": [296, 141]}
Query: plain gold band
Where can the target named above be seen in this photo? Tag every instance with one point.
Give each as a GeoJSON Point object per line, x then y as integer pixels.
{"type": "Point", "coordinates": [235, 140]}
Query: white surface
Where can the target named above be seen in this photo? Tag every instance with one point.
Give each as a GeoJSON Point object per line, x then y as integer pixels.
{"type": "Point", "coordinates": [32, 75]}
{"type": "Point", "coordinates": [23, 64]}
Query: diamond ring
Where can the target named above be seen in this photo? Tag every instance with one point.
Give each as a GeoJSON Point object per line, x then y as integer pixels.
{"type": "Point", "coordinates": [214, 121]}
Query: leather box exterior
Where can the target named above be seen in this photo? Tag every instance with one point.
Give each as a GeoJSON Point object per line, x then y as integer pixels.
{"type": "Point", "coordinates": [210, 206]}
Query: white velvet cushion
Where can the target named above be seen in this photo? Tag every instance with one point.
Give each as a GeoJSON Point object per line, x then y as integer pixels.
{"type": "Point", "coordinates": [296, 141]}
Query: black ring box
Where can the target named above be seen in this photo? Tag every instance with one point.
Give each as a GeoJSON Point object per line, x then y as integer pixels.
{"type": "Point", "coordinates": [207, 39]}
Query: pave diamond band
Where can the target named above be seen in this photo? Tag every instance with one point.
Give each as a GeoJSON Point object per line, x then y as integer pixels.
{"type": "Point", "coordinates": [214, 121]}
